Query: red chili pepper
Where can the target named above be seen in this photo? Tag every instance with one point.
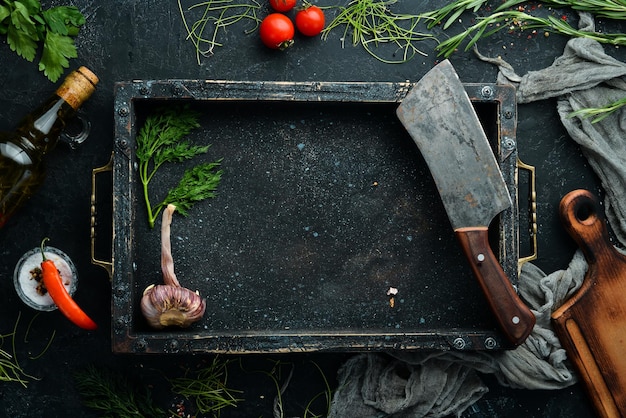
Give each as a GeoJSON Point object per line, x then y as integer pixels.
{"type": "Point", "coordinates": [60, 296]}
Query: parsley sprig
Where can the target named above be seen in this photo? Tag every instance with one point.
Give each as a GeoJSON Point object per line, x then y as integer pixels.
{"type": "Point", "coordinates": [26, 25]}
{"type": "Point", "coordinates": [161, 140]}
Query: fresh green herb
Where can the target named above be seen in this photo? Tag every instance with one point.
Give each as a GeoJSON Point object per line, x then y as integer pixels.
{"type": "Point", "coordinates": [275, 376]}
{"type": "Point", "coordinates": [516, 20]}
{"type": "Point", "coordinates": [612, 9]}
{"type": "Point", "coordinates": [26, 24]}
{"type": "Point", "coordinates": [373, 23]}
{"type": "Point", "coordinates": [599, 112]}
{"type": "Point", "coordinates": [207, 387]}
{"type": "Point", "coordinates": [327, 393]}
{"type": "Point", "coordinates": [216, 15]}
{"type": "Point", "coordinates": [10, 369]}
{"type": "Point", "coordinates": [454, 10]}
{"type": "Point", "coordinates": [45, 349]}
{"type": "Point", "coordinates": [161, 140]}
{"type": "Point", "coordinates": [114, 395]}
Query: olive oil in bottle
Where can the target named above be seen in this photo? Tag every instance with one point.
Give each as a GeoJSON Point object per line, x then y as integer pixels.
{"type": "Point", "coordinates": [22, 150]}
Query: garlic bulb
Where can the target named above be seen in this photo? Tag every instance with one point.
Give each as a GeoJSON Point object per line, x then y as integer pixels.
{"type": "Point", "coordinates": [170, 304]}
{"type": "Point", "coordinates": [165, 305]}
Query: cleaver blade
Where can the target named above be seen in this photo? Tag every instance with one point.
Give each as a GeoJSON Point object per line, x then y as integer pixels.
{"type": "Point", "coordinates": [439, 116]}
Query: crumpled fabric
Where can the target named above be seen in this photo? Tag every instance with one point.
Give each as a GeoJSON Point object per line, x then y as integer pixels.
{"type": "Point", "coordinates": [444, 383]}
{"type": "Point", "coordinates": [381, 385]}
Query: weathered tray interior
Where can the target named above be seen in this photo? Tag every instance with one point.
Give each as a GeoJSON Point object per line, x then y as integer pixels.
{"type": "Point", "coordinates": [325, 203]}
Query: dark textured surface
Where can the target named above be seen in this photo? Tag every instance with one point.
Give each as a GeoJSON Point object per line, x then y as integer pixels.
{"type": "Point", "coordinates": [125, 40]}
{"type": "Point", "coordinates": [325, 204]}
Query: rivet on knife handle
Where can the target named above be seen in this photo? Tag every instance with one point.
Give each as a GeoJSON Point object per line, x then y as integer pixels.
{"type": "Point", "coordinates": [513, 316]}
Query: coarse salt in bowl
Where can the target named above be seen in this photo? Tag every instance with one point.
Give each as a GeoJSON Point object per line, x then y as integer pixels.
{"type": "Point", "coordinates": [29, 285]}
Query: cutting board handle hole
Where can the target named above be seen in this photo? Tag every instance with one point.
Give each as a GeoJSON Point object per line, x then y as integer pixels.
{"type": "Point", "coordinates": [580, 208]}
{"type": "Point", "coordinates": [585, 213]}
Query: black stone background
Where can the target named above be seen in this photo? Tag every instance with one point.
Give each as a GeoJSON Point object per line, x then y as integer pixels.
{"type": "Point", "coordinates": [125, 40]}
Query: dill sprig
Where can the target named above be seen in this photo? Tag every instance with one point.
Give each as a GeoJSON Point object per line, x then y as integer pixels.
{"type": "Point", "coordinates": [114, 395]}
{"type": "Point", "coordinates": [516, 20]}
{"type": "Point", "coordinates": [217, 15]}
{"type": "Point", "coordinates": [207, 387]}
{"type": "Point", "coordinates": [161, 140]}
{"type": "Point", "coordinates": [371, 23]}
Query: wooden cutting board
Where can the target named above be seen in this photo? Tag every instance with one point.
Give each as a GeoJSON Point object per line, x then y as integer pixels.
{"type": "Point", "coordinates": [592, 324]}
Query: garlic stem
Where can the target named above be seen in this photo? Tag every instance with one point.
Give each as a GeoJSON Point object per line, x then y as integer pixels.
{"type": "Point", "coordinates": [167, 261]}
{"type": "Point", "coordinates": [170, 304]}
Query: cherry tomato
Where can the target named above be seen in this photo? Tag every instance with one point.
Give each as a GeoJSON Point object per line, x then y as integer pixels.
{"type": "Point", "coordinates": [310, 20]}
{"type": "Point", "coordinates": [276, 31]}
{"type": "Point", "coordinates": [282, 5]}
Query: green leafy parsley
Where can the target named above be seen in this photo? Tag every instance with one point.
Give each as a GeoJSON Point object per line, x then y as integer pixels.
{"type": "Point", "coordinates": [161, 140]}
{"type": "Point", "coordinates": [26, 24]}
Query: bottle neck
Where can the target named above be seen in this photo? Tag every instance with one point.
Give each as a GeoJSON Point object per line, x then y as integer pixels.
{"type": "Point", "coordinates": [40, 130]}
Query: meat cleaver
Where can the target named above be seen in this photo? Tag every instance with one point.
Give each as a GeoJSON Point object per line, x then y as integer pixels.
{"type": "Point", "coordinates": [439, 116]}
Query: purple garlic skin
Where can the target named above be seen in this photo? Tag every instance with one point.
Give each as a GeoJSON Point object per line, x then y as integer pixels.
{"type": "Point", "coordinates": [167, 305]}
{"type": "Point", "coordinates": [170, 304]}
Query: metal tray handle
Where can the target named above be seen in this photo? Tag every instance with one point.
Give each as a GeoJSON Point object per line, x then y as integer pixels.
{"type": "Point", "coordinates": [532, 201]}
{"type": "Point", "coordinates": [107, 265]}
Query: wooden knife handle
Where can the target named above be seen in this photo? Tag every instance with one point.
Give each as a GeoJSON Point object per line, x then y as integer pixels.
{"type": "Point", "coordinates": [514, 317]}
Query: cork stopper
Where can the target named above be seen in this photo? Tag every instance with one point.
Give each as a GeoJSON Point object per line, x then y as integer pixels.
{"type": "Point", "coordinates": [78, 87]}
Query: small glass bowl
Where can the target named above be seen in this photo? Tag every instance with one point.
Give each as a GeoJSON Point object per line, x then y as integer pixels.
{"type": "Point", "coordinates": [27, 286]}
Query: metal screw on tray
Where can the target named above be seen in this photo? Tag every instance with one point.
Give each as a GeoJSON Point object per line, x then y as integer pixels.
{"type": "Point", "coordinates": [486, 92]}
{"type": "Point", "coordinates": [122, 143]}
{"type": "Point", "coordinates": [119, 323]}
{"type": "Point", "coordinates": [508, 143]}
{"type": "Point", "coordinates": [177, 90]}
{"type": "Point", "coordinates": [141, 345]}
{"type": "Point", "coordinates": [173, 346]}
{"type": "Point", "coordinates": [490, 343]}
{"type": "Point", "coordinates": [459, 343]}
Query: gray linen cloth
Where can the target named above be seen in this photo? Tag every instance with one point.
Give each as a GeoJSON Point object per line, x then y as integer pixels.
{"type": "Point", "coordinates": [444, 383]}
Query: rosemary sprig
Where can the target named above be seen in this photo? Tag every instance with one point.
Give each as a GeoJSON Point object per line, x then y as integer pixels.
{"type": "Point", "coordinates": [372, 23]}
{"type": "Point", "coordinates": [600, 112]}
{"type": "Point", "coordinates": [207, 387]}
{"type": "Point", "coordinates": [516, 20]}
{"type": "Point", "coordinates": [612, 9]}
{"type": "Point", "coordinates": [217, 15]}
{"type": "Point", "coordinates": [452, 11]}
{"type": "Point", "coordinates": [114, 395]}
{"type": "Point", "coordinates": [161, 140]}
